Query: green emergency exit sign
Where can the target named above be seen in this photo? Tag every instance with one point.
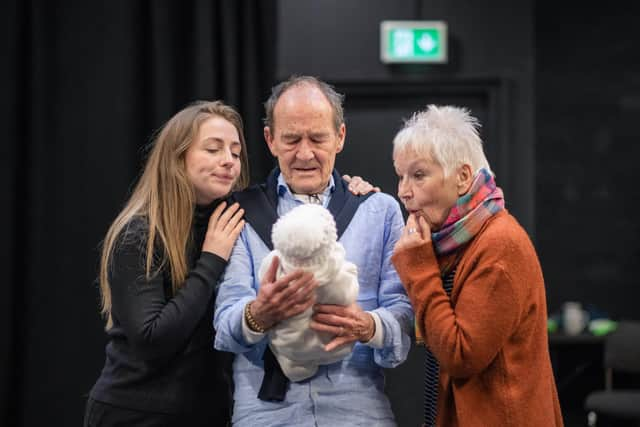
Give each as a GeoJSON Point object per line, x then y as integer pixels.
{"type": "Point", "coordinates": [413, 41]}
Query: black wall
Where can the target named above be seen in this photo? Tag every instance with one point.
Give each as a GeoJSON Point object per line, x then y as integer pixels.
{"type": "Point", "coordinates": [587, 109]}
{"type": "Point", "coordinates": [557, 89]}
{"type": "Point", "coordinates": [588, 104]}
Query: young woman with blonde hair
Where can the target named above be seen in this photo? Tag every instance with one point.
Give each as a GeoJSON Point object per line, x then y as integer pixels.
{"type": "Point", "coordinates": [161, 260]}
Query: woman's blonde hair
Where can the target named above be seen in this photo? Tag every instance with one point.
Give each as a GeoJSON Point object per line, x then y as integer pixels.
{"type": "Point", "coordinates": [165, 198]}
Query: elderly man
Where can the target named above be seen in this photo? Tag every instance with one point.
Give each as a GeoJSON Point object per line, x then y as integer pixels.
{"type": "Point", "coordinates": [305, 131]}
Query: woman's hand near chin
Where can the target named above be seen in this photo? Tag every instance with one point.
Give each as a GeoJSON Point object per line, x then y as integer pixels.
{"type": "Point", "coordinates": [415, 233]}
{"type": "Point", "coordinates": [223, 230]}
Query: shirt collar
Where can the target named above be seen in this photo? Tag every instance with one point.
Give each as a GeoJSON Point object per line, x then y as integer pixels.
{"type": "Point", "coordinates": [283, 187]}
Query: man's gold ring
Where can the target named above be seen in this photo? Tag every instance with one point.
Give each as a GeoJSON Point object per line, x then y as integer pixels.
{"type": "Point", "coordinates": [411, 230]}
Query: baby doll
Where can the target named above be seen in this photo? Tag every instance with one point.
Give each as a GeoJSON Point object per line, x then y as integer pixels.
{"type": "Point", "coordinates": [305, 238]}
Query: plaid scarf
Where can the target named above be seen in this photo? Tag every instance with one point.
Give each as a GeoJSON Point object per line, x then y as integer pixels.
{"type": "Point", "coordinates": [469, 214]}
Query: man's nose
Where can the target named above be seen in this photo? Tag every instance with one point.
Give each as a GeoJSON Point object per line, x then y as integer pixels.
{"type": "Point", "coordinates": [305, 151]}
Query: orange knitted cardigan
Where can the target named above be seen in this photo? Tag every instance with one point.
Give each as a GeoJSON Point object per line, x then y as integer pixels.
{"type": "Point", "coordinates": [490, 337]}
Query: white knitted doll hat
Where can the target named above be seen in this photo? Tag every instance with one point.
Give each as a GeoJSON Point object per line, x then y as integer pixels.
{"type": "Point", "coordinates": [305, 237]}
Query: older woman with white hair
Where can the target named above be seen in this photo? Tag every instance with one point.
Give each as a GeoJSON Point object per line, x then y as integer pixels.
{"type": "Point", "coordinates": [474, 280]}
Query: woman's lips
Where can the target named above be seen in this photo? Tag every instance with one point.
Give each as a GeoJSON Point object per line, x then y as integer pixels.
{"type": "Point", "coordinates": [224, 177]}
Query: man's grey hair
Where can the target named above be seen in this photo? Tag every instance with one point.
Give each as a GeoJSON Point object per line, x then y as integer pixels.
{"type": "Point", "coordinates": [335, 99]}
{"type": "Point", "coordinates": [448, 134]}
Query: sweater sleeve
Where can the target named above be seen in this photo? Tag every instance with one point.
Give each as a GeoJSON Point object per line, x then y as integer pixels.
{"type": "Point", "coordinates": [156, 326]}
{"type": "Point", "coordinates": [465, 338]}
{"type": "Point", "coordinates": [394, 307]}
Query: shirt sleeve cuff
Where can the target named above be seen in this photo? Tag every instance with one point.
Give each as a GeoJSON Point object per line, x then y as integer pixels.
{"type": "Point", "coordinates": [377, 340]}
{"type": "Point", "coordinates": [249, 335]}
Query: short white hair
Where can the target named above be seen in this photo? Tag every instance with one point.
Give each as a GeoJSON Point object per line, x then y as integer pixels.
{"type": "Point", "coordinates": [448, 134]}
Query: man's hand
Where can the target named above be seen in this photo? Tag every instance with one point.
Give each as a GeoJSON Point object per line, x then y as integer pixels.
{"type": "Point", "coordinates": [359, 186]}
{"type": "Point", "coordinates": [281, 299]}
{"type": "Point", "coordinates": [348, 324]}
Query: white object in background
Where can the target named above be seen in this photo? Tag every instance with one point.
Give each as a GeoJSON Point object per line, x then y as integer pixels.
{"type": "Point", "coordinates": [574, 318]}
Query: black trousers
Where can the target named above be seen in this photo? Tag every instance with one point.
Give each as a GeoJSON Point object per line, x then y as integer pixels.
{"type": "Point", "coordinates": [100, 414]}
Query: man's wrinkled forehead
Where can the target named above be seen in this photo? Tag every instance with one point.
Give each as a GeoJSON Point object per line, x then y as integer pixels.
{"type": "Point", "coordinates": [298, 95]}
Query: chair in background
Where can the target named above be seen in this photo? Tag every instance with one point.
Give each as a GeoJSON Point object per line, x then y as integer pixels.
{"type": "Point", "coordinates": [621, 356]}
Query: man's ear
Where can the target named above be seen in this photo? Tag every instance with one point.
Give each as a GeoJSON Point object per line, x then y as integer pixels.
{"type": "Point", "coordinates": [268, 137]}
{"type": "Point", "coordinates": [342, 132]}
{"type": "Point", "coordinates": [464, 179]}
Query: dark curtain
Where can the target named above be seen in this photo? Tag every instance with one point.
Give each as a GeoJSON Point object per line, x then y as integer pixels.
{"type": "Point", "coordinates": [84, 86]}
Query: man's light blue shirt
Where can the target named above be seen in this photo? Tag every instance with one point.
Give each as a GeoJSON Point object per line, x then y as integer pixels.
{"type": "Point", "coordinates": [349, 392]}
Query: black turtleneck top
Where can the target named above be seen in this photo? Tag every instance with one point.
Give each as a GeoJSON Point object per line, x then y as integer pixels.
{"type": "Point", "coordinates": [160, 356]}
